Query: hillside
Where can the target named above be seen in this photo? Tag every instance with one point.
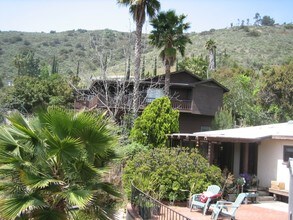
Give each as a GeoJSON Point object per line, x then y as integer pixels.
{"type": "Point", "coordinates": [248, 46]}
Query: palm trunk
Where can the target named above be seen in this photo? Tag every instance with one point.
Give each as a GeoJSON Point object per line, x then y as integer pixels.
{"type": "Point", "coordinates": [212, 60]}
{"type": "Point", "coordinates": [138, 33]}
{"type": "Point", "coordinates": [167, 78]}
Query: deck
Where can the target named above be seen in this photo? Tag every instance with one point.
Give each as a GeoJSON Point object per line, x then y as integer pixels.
{"type": "Point", "coordinates": [270, 210]}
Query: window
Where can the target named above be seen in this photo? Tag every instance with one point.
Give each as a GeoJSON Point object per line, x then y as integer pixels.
{"type": "Point", "coordinates": [288, 152]}
{"type": "Point", "coordinates": [153, 93]}
{"type": "Point", "coordinates": [205, 128]}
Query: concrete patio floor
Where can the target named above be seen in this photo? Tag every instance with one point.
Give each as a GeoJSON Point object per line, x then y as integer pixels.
{"type": "Point", "coordinates": [272, 210]}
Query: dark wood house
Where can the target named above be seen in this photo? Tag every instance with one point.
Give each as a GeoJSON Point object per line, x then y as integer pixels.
{"type": "Point", "coordinates": [196, 99]}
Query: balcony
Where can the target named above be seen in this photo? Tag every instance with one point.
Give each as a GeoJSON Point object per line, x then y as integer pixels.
{"type": "Point", "coordinates": [181, 105]}
{"type": "Point", "coordinates": [125, 102]}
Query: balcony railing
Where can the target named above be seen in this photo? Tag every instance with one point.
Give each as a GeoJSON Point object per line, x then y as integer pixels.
{"type": "Point", "coordinates": [150, 208]}
{"type": "Point", "coordinates": [125, 102]}
{"type": "Point", "coordinates": [184, 105]}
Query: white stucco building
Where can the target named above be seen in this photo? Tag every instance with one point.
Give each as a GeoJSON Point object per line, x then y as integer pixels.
{"type": "Point", "coordinates": [261, 150]}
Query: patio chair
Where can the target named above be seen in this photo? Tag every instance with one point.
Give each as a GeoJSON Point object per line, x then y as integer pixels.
{"type": "Point", "coordinates": [227, 209]}
{"type": "Point", "coordinates": [203, 200]}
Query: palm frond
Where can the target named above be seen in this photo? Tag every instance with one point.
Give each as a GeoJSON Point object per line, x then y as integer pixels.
{"type": "Point", "coordinates": [10, 208]}
{"type": "Point", "coordinates": [79, 198]}
{"type": "Point", "coordinates": [86, 172]}
{"type": "Point", "coordinates": [6, 139]}
{"type": "Point", "coordinates": [49, 214]}
{"type": "Point", "coordinates": [7, 157]}
{"type": "Point", "coordinates": [109, 188]}
{"type": "Point", "coordinates": [19, 122]}
{"type": "Point", "coordinates": [66, 149]}
{"type": "Point", "coordinates": [38, 182]}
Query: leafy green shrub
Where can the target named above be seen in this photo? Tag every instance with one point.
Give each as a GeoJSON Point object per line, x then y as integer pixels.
{"type": "Point", "coordinates": [165, 173]}
{"type": "Point", "coordinates": [46, 44]}
{"type": "Point", "coordinates": [26, 43]}
{"type": "Point", "coordinates": [253, 33]}
{"type": "Point", "coordinates": [223, 119]}
{"type": "Point", "coordinates": [288, 26]}
{"type": "Point", "coordinates": [157, 120]}
{"type": "Point", "coordinates": [12, 40]}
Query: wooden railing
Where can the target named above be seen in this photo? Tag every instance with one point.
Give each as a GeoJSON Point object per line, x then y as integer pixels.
{"type": "Point", "coordinates": [89, 102]}
{"type": "Point", "coordinates": [150, 208]}
{"type": "Point", "coordinates": [181, 104]}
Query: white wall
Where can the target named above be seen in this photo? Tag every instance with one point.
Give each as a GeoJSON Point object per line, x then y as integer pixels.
{"type": "Point", "coordinates": [270, 163]}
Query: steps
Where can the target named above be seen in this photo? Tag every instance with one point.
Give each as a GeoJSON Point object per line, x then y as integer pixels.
{"type": "Point", "coordinates": [264, 195]}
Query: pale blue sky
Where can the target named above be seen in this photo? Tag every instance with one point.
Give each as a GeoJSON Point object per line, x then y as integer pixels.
{"type": "Point", "coordinates": [62, 15]}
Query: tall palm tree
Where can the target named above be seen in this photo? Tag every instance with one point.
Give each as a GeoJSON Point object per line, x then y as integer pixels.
{"type": "Point", "coordinates": [139, 9]}
{"type": "Point", "coordinates": [168, 35]}
{"type": "Point", "coordinates": [49, 166]}
{"type": "Point", "coordinates": [211, 47]}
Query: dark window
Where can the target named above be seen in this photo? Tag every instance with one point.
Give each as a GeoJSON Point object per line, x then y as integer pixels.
{"type": "Point", "coordinates": [288, 152]}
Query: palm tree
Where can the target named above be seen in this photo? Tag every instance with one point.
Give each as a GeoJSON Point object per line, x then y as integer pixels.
{"type": "Point", "coordinates": [50, 165]}
{"type": "Point", "coordinates": [211, 47]}
{"type": "Point", "coordinates": [168, 35]}
{"type": "Point", "coordinates": [139, 9]}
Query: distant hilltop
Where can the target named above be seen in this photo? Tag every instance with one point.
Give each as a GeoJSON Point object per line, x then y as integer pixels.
{"type": "Point", "coordinates": [250, 46]}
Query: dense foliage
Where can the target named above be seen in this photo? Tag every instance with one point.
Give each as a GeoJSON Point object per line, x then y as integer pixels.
{"type": "Point", "coordinates": [223, 119]}
{"type": "Point", "coordinates": [156, 121]}
{"type": "Point", "coordinates": [170, 173]}
{"type": "Point", "coordinates": [51, 166]}
{"type": "Point", "coordinates": [197, 65]}
{"type": "Point", "coordinates": [276, 93]}
{"type": "Point", "coordinates": [29, 93]}
{"type": "Point", "coordinates": [258, 97]}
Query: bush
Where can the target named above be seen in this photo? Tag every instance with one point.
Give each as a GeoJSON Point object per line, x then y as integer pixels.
{"type": "Point", "coordinates": [157, 120]}
{"type": "Point", "coordinates": [253, 33]}
{"type": "Point", "coordinates": [165, 172]}
{"type": "Point", "coordinates": [288, 26]}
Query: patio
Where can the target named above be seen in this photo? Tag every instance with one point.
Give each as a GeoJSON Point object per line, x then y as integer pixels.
{"type": "Point", "coordinates": [271, 210]}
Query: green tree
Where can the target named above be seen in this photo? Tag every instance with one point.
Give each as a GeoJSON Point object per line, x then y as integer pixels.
{"type": "Point", "coordinates": [242, 99]}
{"type": "Point", "coordinates": [51, 166]}
{"type": "Point", "coordinates": [276, 93]}
{"type": "Point", "coordinates": [197, 65]}
{"type": "Point", "coordinates": [139, 9]}
{"type": "Point", "coordinates": [211, 47]}
{"type": "Point", "coordinates": [223, 119]}
{"type": "Point", "coordinates": [257, 19]}
{"type": "Point", "coordinates": [29, 93]}
{"type": "Point", "coordinates": [54, 68]}
{"type": "Point", "coordinates": [157, 120]}
{"type": "Point", "coordinates": [267, 21]}
{"type": "Point", "coordinates": [27, 64]}
{"type": "Point", "coordinates": [168, 35]}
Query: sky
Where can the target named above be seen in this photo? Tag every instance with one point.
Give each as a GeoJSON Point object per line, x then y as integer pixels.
{"type": "Point", "coordinates": [63, 15]}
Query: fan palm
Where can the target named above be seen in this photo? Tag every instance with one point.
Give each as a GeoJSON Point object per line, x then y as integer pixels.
{"type": "Point", "coordinates": [139, 9]}
{"type": "Point", "coordinates": [168, 35]}
{"type": "Point", "coordinates": [49, 166]}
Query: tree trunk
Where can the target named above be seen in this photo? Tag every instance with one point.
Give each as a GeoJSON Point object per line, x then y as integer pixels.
{"type": "Point", "coordinates": [138, 33]}
{"type": "Point", "coordinates": [211, 60]}
{"type": "Point", "coordinates": [167, 78]}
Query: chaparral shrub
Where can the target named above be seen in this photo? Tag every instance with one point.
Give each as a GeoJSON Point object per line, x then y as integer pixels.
{"type": "Point", "coordinates": [165, 173]}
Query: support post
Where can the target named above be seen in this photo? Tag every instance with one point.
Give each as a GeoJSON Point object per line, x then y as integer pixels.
{"type": "Point", "coordinates": [210, 153]}
{"type": "Point", "coordinates": [290, 197]}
